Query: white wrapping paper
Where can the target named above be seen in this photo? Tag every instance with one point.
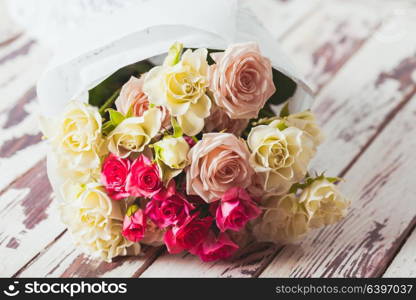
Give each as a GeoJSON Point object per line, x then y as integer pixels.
{"type": "Point", "coordinates": [106, 43]}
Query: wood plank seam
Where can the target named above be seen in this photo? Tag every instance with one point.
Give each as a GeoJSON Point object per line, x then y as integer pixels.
{"type": "Point", "coordinates": [38, 254]}
{"type": "Point", "coordinates": [404, 238]}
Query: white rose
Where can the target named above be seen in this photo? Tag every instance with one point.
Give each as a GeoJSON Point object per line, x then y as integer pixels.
{"type": "Point", "coordinates": [306, 122]}
{"type": "Point", "coordinates": [94, 220]}
{"type": "Point", "coordinates": [181, 88]}
{"type": "Point", "coordinates": [284, 220]}
{"type": "Point", "coordinates": [323, 203]}
{"type": "Point", "coordinates": [171, 155]}
{"type": "Point", "coordinates": [76, 140]}
{"type": "Point", "coordinates": [280, 157]}
{"type": "Point", "coordinates": [133, 134]}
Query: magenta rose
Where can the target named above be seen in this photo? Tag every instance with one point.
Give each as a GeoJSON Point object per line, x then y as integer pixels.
{"type": "Point", "coordinates": [169, 207]}
{"type": "Point", "coordinates": [134, 225]}
{"type": "Point", "coordinates": [241, 80]}
{"type": "Point", "coordinates": [144, 179]}
{"type": "Point", "coordinates": [113, 176]}
{"type": "Point", "coordinates": [235, 209]}
{"type": "Point", "coordinates": [189, 235]}
{"type": "Point", "coordinates": [216, 248]}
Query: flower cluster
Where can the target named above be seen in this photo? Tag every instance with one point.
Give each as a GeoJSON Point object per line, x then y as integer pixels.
{"type": "Point", "coordinates": [185, 156]}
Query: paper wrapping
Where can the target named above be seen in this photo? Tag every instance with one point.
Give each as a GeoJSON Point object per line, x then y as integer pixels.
{"type": "Point", "coordinates": [104, 44]}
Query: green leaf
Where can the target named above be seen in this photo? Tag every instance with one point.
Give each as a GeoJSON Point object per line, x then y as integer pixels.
{"type": "Point", "coordinates": [174, 54]}
{"type": "Point", "coordinates": [285, 110]}
{"type": "Point", "coordinates": [116, 117]}
{"type": "Point", "coordinates": [109, 102]}
{"type": "Point", "coordinates": [281, 126]}
{"type": "Point", "coordinates": [177, 130]}
{"type": "Point", "coordinates": [108, 127]}
{"type": "Point", "coordinates": [285, 88]}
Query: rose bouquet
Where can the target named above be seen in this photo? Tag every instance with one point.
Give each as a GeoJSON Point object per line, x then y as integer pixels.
{"type": "Point", "coordinates": [190, 154]}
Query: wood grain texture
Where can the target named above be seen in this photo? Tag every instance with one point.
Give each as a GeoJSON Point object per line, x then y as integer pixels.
{"type": "Point", "coordinates": [327, 39]}
{"type": "Point", "coordinates": [30, 201]}
{"type": "Point", "coordinates": [62, 259]}
{"type": "Point", "coordinates": [404, 263]}
{"type": "Point", "coordinates": [382, 212]}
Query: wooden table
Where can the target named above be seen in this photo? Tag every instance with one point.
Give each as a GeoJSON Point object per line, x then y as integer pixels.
{"type": "Point", "coordinates": [360, 57]}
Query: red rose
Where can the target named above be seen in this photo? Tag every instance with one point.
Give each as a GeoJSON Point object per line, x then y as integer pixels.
{"type": "Point", "coordinates": [215, 248]}
{"type": "Point", "coordinates": [235, 209]}
{"type": "Point", "coordinates": [144, 178]}
{"type": "Point", "coordinates": [134, 224]}
{"type": "Point", "coordinates": [169, 207]}
{"type": "Point", "coordinates": [189, 235]}
{"type": "Point", "coordinates": [114, 174]}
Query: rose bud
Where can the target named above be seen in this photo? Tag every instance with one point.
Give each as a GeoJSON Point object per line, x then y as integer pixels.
{"type": "Point", "coordinates": [189, 235]}
{"type": "Point", "coordinates": [235, 209]}
{"type": "Point", "coordinates": [144, 178]}
{"type": "Point", "coordinates": [114, 174]}
{"type": "Point", "coordinates": [134, 224]}
{"type": "Point", "coordinates": [169, 207]}
{"type": "Point", "coordinates": [215, 248]}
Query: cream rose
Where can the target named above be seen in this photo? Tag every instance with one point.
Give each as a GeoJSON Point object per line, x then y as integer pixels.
{"type": "Point", "coordinates": [133, 134]}
{"type": "Point", "coordinates": [219, 121]}
{"type": "Point", "coordinates": [76, 139]}
{"type": "Point", "coordinates": [182, 89]}
{"type": "Point", "coordinates": [116, 245]}
{"type": "Point", "coordinates": [323, 203]}
{"type": "Point", "coordinates": [241, 80]}
{"type": "Point", "coordinates": [280, 156]}
{"type": "Point", "coordinates": [284, 220]}
{"type": "Point", "coordinates": [218, 162]}
{"type": "Point", "coordinates": [306, 121]}
{"type": "Point", "coordinates": [132, 98]}
{"type": "Point", "coordinates": [171, 155]}
{"type": "Point", "coordinates": [94, 220]}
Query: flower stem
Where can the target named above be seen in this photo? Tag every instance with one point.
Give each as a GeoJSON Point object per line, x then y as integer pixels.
{"type": "Point", "coordinates": [109, 102]}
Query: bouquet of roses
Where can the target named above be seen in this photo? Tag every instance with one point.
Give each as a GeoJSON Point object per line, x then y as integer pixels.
{"type": "Point", "coordinates": [190, 154]}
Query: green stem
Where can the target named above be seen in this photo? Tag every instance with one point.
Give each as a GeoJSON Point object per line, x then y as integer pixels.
{"type": "Point", "coordinates": [109, 102]}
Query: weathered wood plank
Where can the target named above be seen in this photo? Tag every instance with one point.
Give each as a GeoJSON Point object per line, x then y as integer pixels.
{"type": "Point", "coordinates": [404, 263]}
{"type": "Point", "coordinates": [28, 220]}
{"type": "Point", "coordinates": [382, 212]}
{"type": "Point", "coordinates": [63, 260]}
{"type": "Point", "coordinates": [371, 95]}
{"type": "Point", "coordinates": [327, 39]}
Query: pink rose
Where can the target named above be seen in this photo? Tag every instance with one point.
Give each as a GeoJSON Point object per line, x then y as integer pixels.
{"type": "Point", "coordinates": [169, 207]}
{"type": "Point", "coordinates": [144, 178]}
{"type": "Point", "coordinates": [114, 174]}
{"type": "Point", "coordinates": [219, 162]}
{"type": "Point", "coordinates": [134, 226]}
{"type": "Point", "coordinates": [132, 97]}
{"type": "Point", "coordinates": [241, 80]}
{"type": "Point", "coordinates": [218, 120]}
{"type": "Point", "coordinates": [235, 209]}
{"type": "Point", "coordinates": [216, 248]}
{"type": "Point", "coordinates": [189, 235]}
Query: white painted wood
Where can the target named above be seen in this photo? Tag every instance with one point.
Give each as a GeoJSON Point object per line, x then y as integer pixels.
{"type": "Point", "coordinates": [404, 263]}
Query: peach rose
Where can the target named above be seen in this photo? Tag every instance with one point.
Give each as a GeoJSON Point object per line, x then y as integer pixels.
{"type": "Point", "coordinates": [219, 161]}
{"type": "Point", "coordinates": [220, 121]}
{"type": "Point", "coordinates": [241, 80]}
{"type": "Point", "coordinates": [132, 97]}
